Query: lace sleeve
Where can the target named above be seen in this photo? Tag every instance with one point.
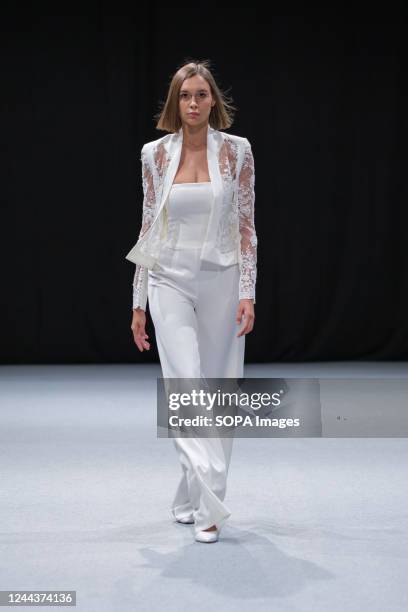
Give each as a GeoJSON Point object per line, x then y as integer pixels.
{"type": "Point", "coordinates": [141, 273]}
{"type": "Point", "coordinates": [246, 207]}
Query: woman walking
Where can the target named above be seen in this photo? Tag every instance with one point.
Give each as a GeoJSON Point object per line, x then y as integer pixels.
{"type": "Point", "coordinates": [196, 264]}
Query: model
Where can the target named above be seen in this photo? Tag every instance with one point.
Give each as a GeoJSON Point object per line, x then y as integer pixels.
{"type": "Point", "coordinates": [195, 262]}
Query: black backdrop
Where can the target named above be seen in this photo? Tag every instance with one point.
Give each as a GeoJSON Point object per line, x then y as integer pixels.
{"type": "Point", "coordinates": [323, 103]}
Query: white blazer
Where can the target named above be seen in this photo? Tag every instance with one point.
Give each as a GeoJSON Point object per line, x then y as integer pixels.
{"type": "Point", "coordinates": [230, 236]}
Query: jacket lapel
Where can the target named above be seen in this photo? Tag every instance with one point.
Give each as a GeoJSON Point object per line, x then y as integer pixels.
{"type": "Point", "coordinates": [173, 148]}
{"type": "Point", "coordinates": [214, 142]}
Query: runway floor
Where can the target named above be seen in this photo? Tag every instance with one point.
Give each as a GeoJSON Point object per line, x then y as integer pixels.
{"type": "Point", "coordinates": [317, 524]}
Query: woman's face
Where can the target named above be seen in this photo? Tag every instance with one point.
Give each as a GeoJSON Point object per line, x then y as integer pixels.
{"type": "Point", "coordinates": [195, 101]}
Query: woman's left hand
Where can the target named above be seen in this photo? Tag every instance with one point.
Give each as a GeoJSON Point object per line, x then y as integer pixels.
{"type": "Point", "coordinates": [245, 311]}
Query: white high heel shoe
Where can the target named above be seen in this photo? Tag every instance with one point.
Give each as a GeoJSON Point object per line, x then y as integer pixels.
{"type": "Point", "coordinates": [186, 520]}
{"type": "Point", "coordinates": [207, 536]}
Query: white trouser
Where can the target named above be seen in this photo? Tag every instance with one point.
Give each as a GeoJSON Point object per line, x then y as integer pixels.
{"type": "Point", "coordinates": [193, 307]}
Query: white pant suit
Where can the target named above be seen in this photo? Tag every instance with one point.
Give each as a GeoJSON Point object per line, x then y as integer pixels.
{"type": "Point", "coordinates": [193, 306]}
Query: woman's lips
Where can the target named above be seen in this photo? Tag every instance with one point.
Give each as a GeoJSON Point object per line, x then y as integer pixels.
{"type": "Point", "coordinates": [193, 114]}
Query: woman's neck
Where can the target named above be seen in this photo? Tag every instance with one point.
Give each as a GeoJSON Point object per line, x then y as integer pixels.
{"type": "Point", "coordinates": [195, 138]}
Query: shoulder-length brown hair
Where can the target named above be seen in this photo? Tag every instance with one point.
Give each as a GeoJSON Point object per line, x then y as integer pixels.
{"type": "Point", "coordinates": [221, 115]}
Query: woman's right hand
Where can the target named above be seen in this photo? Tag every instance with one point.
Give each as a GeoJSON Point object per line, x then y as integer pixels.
{"type": "Point", "coordinates": [139, 329]}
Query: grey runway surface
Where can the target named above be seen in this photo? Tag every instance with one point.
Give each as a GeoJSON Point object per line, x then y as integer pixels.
{"type": "Point", "coordinates": [317, 523]}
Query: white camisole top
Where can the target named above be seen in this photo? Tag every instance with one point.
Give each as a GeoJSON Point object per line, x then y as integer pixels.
{"type": "Point", "coordinates": [188, 208]}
